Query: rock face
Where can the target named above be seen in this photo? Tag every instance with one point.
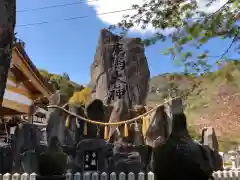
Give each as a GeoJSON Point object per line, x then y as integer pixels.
{"type": "Point", "coordinates": [120, 70]}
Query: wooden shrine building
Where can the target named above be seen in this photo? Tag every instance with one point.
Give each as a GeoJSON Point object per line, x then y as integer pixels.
{"type": "Point", "coordinates": [25, 87]}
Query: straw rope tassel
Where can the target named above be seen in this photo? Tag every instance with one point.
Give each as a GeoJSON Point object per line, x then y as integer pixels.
{"type": "Point", "coordinates": [67, 121]}
{"type": "Point", "coordinates": [106, 132]}
{"type": "Point", "coordinates": [85, 128]}
{"type": "Point", "coordinates": [144, 128]}
{"type": "Point", "coordinates": [147, 119]}
{"type": "Point", "coordinates": [145, 125]}
{"type": "Point", "coordinates": [125, 130]}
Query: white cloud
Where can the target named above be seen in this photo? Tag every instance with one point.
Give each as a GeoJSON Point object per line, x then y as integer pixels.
{"type": "Point", "coordinates": [103, 6]}
{"type": "Point", "coordinates": [214, 7]}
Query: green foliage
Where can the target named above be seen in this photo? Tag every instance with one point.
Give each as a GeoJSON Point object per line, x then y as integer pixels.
{"type": "Point", "coordinates": [61, 82]}
{"type": "Point", "coordinates": [193, 28]}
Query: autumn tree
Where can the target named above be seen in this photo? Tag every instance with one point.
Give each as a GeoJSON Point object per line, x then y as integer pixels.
{"type": "Point", "coordinates": [45, 74]}
{"type": "Point", "coordinates": [81, 97]}
{"type": "Point", "coordinates": [7, 26]}
{"type": "Point", "coordinates": [62, 83]}
{"type": "Point", "coordinates": [189, 27]}
{"type": "Point", "coordinates": [66, 88]}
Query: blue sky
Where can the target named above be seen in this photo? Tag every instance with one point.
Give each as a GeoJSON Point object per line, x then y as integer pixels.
{"type": "Point", "coordinates": [69, 46]}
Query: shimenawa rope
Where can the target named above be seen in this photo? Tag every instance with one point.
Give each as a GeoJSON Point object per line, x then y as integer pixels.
{"type": "Point", "coordinates": [113, 123]}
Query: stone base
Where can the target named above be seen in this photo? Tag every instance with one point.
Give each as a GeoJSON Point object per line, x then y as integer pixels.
{"type": "Point", "coordinates": [63, 177]}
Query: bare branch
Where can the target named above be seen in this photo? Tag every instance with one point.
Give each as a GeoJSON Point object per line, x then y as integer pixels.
{"type": "Point", "coordinates": [230, 46]}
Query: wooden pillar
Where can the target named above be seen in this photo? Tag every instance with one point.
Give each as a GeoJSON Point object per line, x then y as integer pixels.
{"type": "Point", "coordinates": [7, 25]}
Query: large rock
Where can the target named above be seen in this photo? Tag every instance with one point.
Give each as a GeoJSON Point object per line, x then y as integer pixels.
{"type": "Point", "coordinates": [6, 158]}
{"type": "Point", "coordinates": [67, 136]}
{"type": "Point", "coordinates": [209, 138]}
{"type": "Point", "coordinates": [25, 147]}
{"type": "Point", "coordinates": [95, 111]}
{"type": "Point", "coordinates": [119, 74]}
{"type": "Point", "coordinates": [119, 66]}
{"type": "Point", "coordinates": [210, 146]}
{"type": "Point", "coordinates": [160, 126]}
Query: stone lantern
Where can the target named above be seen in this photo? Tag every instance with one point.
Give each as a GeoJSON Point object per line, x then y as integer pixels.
{"type": "Point", "coordinates": [238, 156]}
{"type": "Point", "coordinates": [233, 158]}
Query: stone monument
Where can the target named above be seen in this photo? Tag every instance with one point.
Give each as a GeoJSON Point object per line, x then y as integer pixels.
{"type": "Point", "coordinates": [210, 145]}
{"type": "Point", "coordinates": [119, 78]}
{"type": "Point", "coordinates": [119, 74]}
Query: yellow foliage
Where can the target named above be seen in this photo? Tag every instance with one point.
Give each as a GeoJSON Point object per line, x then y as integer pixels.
{"type": "Point", "coordinates": [80, 97]}
{"type": "Point", "coordinates": [44, 73]}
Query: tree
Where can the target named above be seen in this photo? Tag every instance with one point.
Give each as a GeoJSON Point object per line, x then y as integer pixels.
{"type": "Point", "coordinates": [66, 76]}
{"type": "Point", "coordinates": [7, 26]}
{"type": "Point", "coordinates": [60, 82]}
{"type": "Point", "coordinates": [45, 73]}
{"type": "Point", "coordinates": [81, 97]}
{"type": "Point", "coordinates": [66, 88]}
{"type": "Point", "coordinates": [191, 28]}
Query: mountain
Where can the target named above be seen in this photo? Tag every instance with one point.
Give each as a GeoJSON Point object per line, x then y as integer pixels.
{"type": "Point", "coordinates": [212, 99]}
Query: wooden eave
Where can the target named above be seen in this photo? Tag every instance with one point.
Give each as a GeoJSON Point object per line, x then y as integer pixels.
{"type": "Point", "coordinates": [31, 83]}
{"type": "Point", "coordinates": [35, 81]}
